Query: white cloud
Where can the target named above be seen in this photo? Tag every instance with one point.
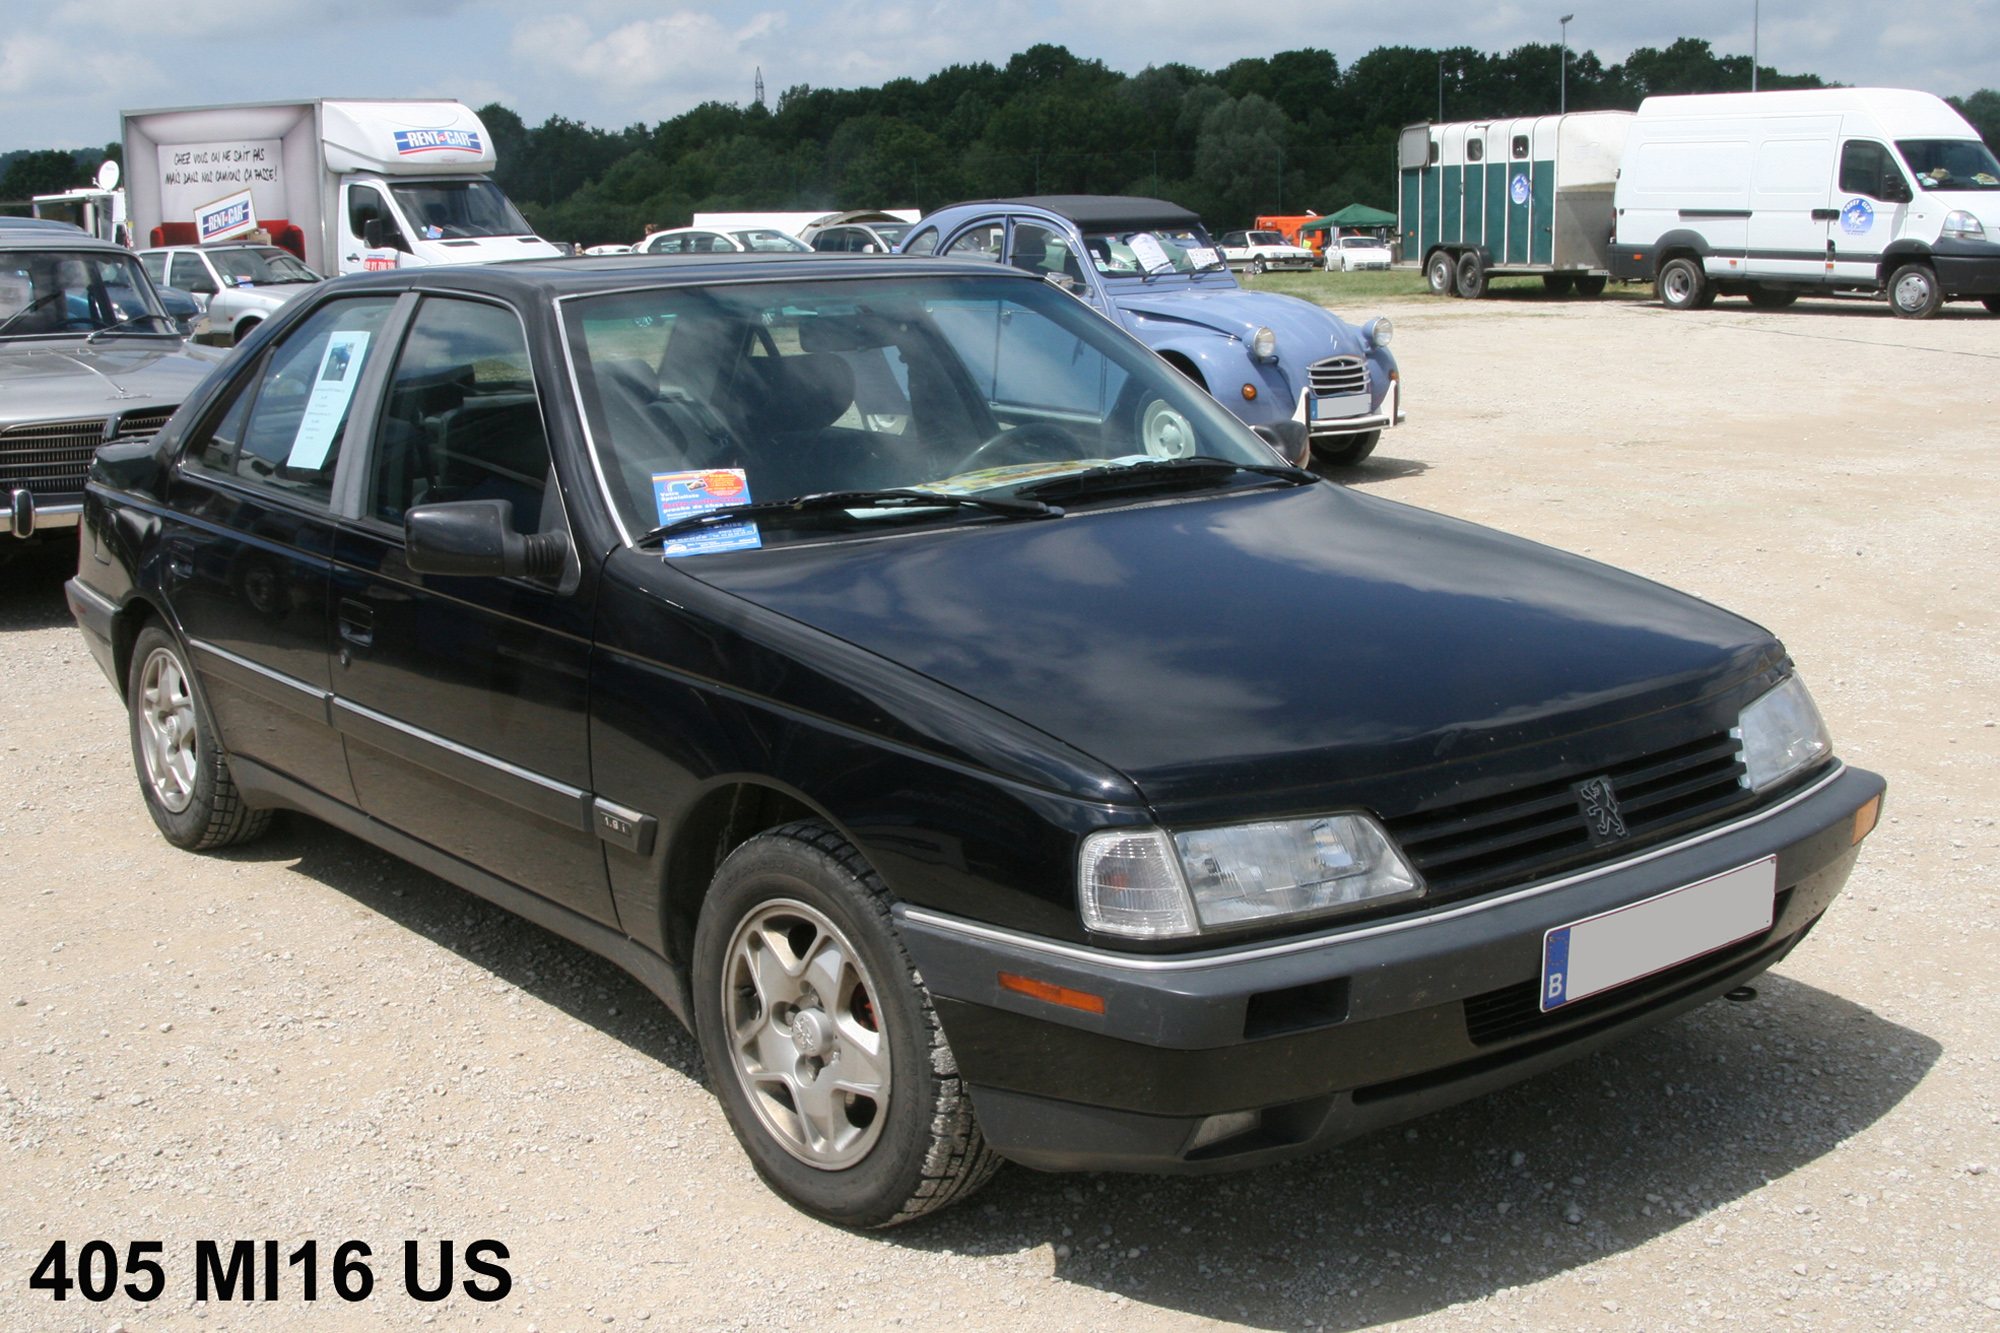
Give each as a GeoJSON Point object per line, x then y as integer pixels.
{"type": "Point", "coordinates": [43, 68]}
{"type": "Point", "coordinates": [684, 51]}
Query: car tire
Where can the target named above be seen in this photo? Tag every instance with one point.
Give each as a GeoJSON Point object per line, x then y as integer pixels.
{"type": "Point", "coordinates": [1471, 275]}
{"type": "Point", "coordinates": [1256, 268]}
{"type": "Point", "coordinates": [1769, 298]}
{"type": "Point", "coordinates": [791, 913]}
{"type": "Point", "coordinates": [1442, 275]}
{"type": "Point", "coordinates": [1914, 292]}
{"type": "Point", "coordinates": [1350, 450]}
{"type": "Point", "coordinates": [244, 329]}
{"type": "Point", "coordinates": [1682, 285]}
{"type": "Point", "coordinates": [1590, 285]}
{"type": "Point", "coordinates": [1558, 284]}
{"type": "Point", "coordinates": [182, 772]}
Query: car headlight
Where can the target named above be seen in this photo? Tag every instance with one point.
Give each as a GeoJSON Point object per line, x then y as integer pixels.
{"type": "Point", "coordinates": [1152, 884]}
{"type": "Point", "coordinates": [1963, 225]}
{"type": "Point", "coordinates": [1781, 732]}
{"type": "Point", "coordinates": [1264, 344]}
{"type": "Point", "coordinates": [1380, 331]}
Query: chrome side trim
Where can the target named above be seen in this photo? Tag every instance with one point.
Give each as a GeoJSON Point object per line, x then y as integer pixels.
{"type": "Point", "coordinates": [1181, 963]}
{"type": "Point", "coordinates": [259, 669]}
{"type": "Point", "coordinates": [524, 787]}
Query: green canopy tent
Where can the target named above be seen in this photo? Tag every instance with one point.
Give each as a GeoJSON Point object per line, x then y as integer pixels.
{"type": "Point", "coordinates": [1354, 215]}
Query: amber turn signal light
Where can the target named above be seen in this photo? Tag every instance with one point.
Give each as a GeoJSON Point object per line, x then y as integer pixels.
{"type": "Point", "coordinates": [1865, 817]}
{"type": "Point", "coordinates": [1249, 392]}
{"type": "Point", "coordinates": [1054, 994]}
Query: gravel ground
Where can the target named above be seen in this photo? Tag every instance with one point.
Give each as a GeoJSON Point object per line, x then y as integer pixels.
{"type": "Point", "coordinates": [307, 1040]}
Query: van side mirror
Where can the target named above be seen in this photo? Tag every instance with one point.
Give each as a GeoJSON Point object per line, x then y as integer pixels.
{"type": "Point", "coordinates": [371, 234]}
{"type": "Point", "coordinates": [1895, 190]}
{"type": "Point", "coordinates": [476, 539]}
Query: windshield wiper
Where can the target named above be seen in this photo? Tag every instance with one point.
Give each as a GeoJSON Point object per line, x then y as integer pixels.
{"type": "Point", "coordinates": [95, 334]}
{"type": "Point", "coordinates": [29, 309]}
{"type": "Point", "coordinates": [822, 501]}
{"type": "Point", "coordinates": [1193, 471]}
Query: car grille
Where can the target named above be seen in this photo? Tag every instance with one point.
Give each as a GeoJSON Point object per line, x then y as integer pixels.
{"type": "Point", "coordinates": [1527, 834]}
{"type": "Point", "coordinates": [52, 458]}
{"type": "Point", "coordinates": [1338, 376]}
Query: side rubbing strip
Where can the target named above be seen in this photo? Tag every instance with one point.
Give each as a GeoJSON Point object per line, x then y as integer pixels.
{"type": "Point", "coordinates": [260, 680]}
{"type": "Point", "coordinates": [544, 796]}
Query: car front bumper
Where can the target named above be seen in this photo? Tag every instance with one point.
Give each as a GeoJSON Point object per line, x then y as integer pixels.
{"type": "Point", "coordinates": [1306, 1042]}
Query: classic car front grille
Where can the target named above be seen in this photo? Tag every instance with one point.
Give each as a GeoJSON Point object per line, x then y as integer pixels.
{"type": "Point", "coordinates": [1338, 376]}
{"type": "Point", "coordinates": [51, 458]}
{"type": "Point", "coordinates": [1527, 834]}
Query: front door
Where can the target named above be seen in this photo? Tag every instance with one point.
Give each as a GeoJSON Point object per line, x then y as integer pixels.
{"type": "Point", "coordinates": [463, 699]}
{"type": "Point", "coordinates": [1870, 207]}
{"type": "Point", "coordinates": [360, 204]}
{"type": "Point", "coordinates": [247, 549]}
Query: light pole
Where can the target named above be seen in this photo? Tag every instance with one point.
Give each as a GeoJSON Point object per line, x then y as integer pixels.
{"type": "Point", "coordinates": [1440, 87]}
{"type": "Point", "coordinates": [1755, 15]}
{"type": "Point", "coordinates": [1562, 104]}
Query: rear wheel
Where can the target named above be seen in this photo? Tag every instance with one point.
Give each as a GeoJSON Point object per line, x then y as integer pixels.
{"type": "Point", "coordinates": [1770, 298]}
{"type": "Point", "coordinates": [1558, 284]}
{"type": "Point", "coordinates": [1683, 286]}
{"type": "Point", "coordinates": [182, 773]}
{"type": "Point", "coordinates": [1442, 274]}
{"type": "Point", "coordinates": [1914, 292]}
{"type": "Point", "coordinates": [821, 1040]}
{"type": "Point", "coordinates": [1590, 284]}
{"type": "Point", "coordinates": [1471, 276]}
{"type": "Point", "coordinates": [1347, 450]}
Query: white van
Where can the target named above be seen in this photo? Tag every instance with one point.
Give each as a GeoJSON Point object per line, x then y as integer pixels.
{"type": "Point", "coordinates": [1772, 196]}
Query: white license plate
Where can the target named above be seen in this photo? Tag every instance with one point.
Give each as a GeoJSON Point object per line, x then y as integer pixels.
{"type": "Point", "coordinates": [1352, 405]}
{"type": "Point", "coordinates": [1600, 952]}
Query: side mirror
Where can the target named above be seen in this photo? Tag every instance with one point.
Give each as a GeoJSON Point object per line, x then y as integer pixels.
{"type": "Point", "coordinates": [1064, 281]}
{"type": "Point", "coordinates": [476, 539]}
{"type": "Point", "coordinates": [1895, 190]}
{"type": "Point", "coordinates": [371, 234]}
{"type": "Point", "coordinates": [1292, 440]}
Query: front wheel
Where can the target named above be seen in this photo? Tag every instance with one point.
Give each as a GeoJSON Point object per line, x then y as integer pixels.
{"type": "Point", "coordinates": [1441, 274]}
{"type": "Point", "coordinates": [821, 1040]}
{"type": "Point", "coordinates": [182, 773]}
{"type": "Point", "coordinates": [1348, 450]}
{"type": "Point", "coordinates": [1558, 284]}
{"type": "Point", "coordinates": [1256, 268]}
{"type": "Point", "coordinates": [244, 329]}
{"type": "Point", "coordinates": [1682, 285]}
{"type": "Point", "coordinates": [1914, 292]}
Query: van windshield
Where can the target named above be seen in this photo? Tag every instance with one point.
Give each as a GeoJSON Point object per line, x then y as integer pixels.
{"type": "Point", "coordinates": [1950, 164]}
{"type": "Point", "coordinates": [448, 210]}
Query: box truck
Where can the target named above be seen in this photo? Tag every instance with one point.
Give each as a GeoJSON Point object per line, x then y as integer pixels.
{"type": "Point", "coordinates": [1771, 196]}
{"type": "Point", "coordinates": [1484, 198]}
{"type": "Point", "coordinates": [347, 186]}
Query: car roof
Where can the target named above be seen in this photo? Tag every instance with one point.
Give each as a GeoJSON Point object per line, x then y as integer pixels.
{"type": "Point", "coordinates": [24, 238]}
{"type": "Point", "coordinates": [39, 224]}
{"type": "Point", "coordinates": [1108, 211]}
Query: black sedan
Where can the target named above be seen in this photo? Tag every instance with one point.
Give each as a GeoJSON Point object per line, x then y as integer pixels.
{"type": "Point", "coordinates": [979, 737]}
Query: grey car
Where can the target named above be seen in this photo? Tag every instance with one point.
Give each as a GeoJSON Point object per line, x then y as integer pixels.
{"type": "Point", "coordinates": [87, 355]}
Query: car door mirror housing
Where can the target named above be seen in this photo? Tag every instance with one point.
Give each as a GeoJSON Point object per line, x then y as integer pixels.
{"type": "Point", "coordinates": [1895, 190]}
{"type": "Point", "coordinates": [476, 539]}
{"type": "Point", "coordinates": [371, 234]}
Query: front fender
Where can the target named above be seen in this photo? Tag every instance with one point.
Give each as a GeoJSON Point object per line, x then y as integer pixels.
{"type": "Point", "coordinates": [1226, 366]}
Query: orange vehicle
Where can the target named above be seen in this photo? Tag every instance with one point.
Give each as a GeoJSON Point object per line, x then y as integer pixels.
{"type": "Point", "coordinates": [1288, 227]}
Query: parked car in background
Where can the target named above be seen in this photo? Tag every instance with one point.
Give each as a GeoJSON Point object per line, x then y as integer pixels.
{"type": "Point", "coordinates": [984, 743]}
{"type": "Point", "coordinates": [860, 233]}
{"type": "Point", "coordinates": [237, 286]}
{"type": "Point", "coordinates": [88, 354]}
{"type": "Point", "coordinates": [1281, 364]}
{"type": "Point", "coordinates": [183, 309]}
{"type": "Point", "coordinates": [1256, 251]}
{"type": "Point", "coordinates": [716, 241]}
{"type": "Point", "coordinates": [599, 251]}
{"type": "Point", "coordinates": [1350, 254]}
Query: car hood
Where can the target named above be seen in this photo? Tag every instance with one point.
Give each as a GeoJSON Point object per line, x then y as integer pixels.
{"type": "Point", "coordinates": [44, 381]}
{"type": "Point", "coordinates": [1225, 648]}
{"type": "Point", "coordinates": [1240, 314]}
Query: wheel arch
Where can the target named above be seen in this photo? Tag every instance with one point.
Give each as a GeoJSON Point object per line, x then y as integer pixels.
{"type": "Point", "coordinates": [732, 811]}
{"type": "Point", "coordinates": [126, 625]}
{"type": "Point", "coordinates": [1899, 253]}
{"type": "Point", "coordinates": [1186, 363]}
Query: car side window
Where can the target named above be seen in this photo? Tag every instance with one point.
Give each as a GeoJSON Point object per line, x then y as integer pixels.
{"type": "Point", "coordinates": [923, 243]}
{"type": "Point", "coordinates": [1520, 145]}
{"type": "Point", "coordinates": [1863, 164]}
{"type": "Point", "coordinates": [285, 429]}
{"type": "Point", "coordinates": [190, 276]}
{"type": "Point", "coordinates": [156, 268]}
{"type": "Point", "coordinates": [1043, 251]}
{"type": "Point", "coordinates": [981, 242]}
{"type": "Point", "coordinates": [462, 421]}
{"type": "Point", "coordinates": [1475, 149]}
{"type": "Point", "coordinates": [828, 241]}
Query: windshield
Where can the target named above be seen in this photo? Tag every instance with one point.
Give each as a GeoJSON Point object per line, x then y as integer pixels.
{"type": "Point", "coordinates": [1266, 238]}
{"type": "Point", "coordinates": [1136, 254]}
{"type": "Point", "coordinates": [764, 239]}
{"type": "Point", "coordinates": [57, 292]}
{"type": "Point", "coordinates": [1360, 243]}
{"type": "Point", "coordinates": [965, 385]}
{"type": "Point", "coordinates": [266, 266]}
{"type": "Point", "coordinates": [1950, 164]}
{"type": "Point", "coordinates": [448, 210]}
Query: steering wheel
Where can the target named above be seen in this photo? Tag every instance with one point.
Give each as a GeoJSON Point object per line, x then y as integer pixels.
{"type": "Point", "coordinates": [1018, 445]}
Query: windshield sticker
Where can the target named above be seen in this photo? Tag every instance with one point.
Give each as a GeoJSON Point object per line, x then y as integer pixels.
{"type": "Point", "coordinates": [333, 386]}
{"type": "Point", "coordinates": [1201, 256]}
{"type": "Point", "coordinates": [1518, 191]}
{"type": "Point", "coordinates": [231, 215]}
{"type": "Point", "coordinates": [436, 141]}
{"type": "Point", "coordinates": [1857, 217]}
{"type": "Point", "coordinates": [1152, 256]}
{"type": "Point", "coordinates": [681, 494]}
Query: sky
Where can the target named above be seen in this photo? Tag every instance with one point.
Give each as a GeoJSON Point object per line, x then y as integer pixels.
{"type": "Point", "coordinates": [67, 67]}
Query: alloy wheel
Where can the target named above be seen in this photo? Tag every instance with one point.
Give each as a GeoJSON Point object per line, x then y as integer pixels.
{"type": "Point", "coordinates": [805, 1034]}
{"type": "Point", "coordinates": [167, 730]}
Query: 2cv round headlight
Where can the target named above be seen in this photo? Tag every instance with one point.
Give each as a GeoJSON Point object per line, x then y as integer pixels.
{"type": "Point", "coordinates": [1264, 344]}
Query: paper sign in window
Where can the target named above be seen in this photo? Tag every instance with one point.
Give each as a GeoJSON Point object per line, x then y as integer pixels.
{"type": "Point", "coordinates": [679, 495]}
{"type": "Point", "coordinates": [326, 408]}
{"type": "Point", "coordinates": [1152, 256]}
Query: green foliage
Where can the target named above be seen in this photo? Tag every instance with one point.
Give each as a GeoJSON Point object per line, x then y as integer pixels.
{"type": "Point", "coordinates": [1289, 132]}
{"type": "Point", "coordinates": [49, 171]}
{"type": "Point", "coordinates": [1983, 110]}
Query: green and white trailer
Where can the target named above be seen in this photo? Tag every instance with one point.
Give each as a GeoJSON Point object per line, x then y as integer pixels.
{"type": "Point", "coordinates": [1495, 198]}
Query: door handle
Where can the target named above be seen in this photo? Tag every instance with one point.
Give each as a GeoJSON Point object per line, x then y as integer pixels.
{"type": "Point", "coordinates": [1826, 215]}
{"type": "Point", "coordinates": [357, 622]}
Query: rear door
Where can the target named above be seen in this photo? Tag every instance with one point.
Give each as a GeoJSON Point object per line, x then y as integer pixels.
{"type": "Point", "coordinates": [463, 700]}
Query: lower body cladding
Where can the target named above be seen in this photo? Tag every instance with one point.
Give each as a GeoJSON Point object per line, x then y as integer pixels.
{"type": "Point", "coordinates": [1090, 1060]}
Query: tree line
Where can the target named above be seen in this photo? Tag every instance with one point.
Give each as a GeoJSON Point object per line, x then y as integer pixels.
{"type": "Point", "coordinates": [1284, 133]}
